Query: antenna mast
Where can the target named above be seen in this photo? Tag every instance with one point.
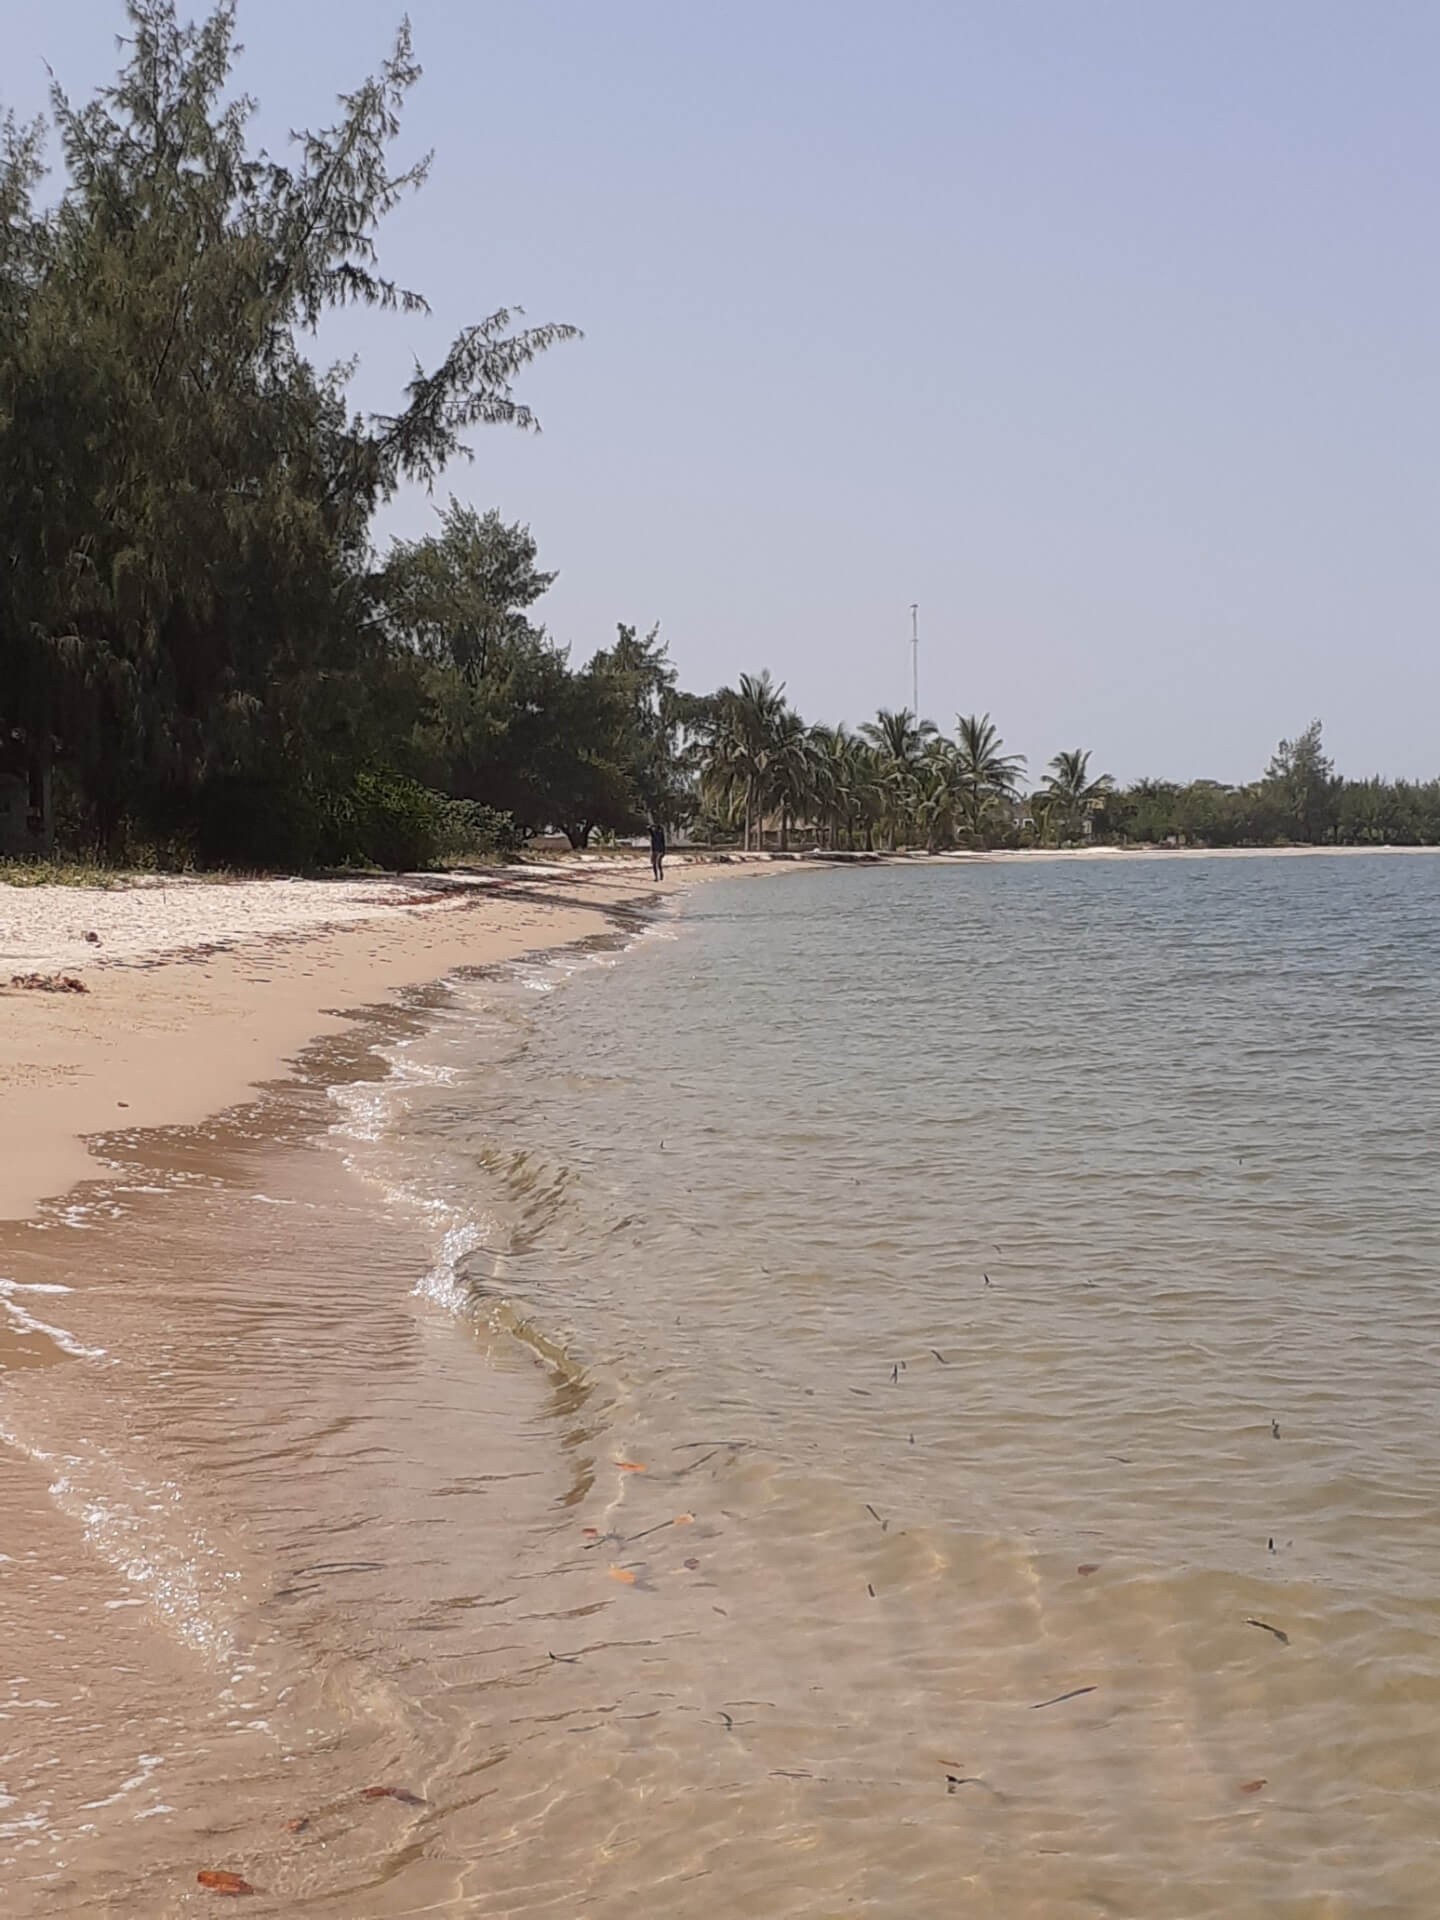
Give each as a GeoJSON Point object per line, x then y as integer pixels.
{"type": "Point", "coordinates": [915, 657]}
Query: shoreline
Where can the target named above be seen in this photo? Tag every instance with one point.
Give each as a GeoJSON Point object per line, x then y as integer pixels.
{"type": "Point", "coordinates": [194, 996]}
{"type": "Point", "coordinates": [242, 974]}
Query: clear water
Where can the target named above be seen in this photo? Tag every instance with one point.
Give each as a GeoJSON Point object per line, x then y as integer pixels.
{"type": "Point", "coordinates": [973, 1448]}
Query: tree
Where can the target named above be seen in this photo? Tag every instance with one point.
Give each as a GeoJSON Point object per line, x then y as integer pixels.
{"type": "Point", "coordinates": [1302, 781]}
{"type": "Point", "coordinates": [185, 500]}
{"type": "Point", "coordinates": [461, 597]}
{"type": "Point", "coordinates": [985, 777]}
{"type": "Point", "coordinates": [792, 783]}
{"type": "Point", "coordinates": [653, 722]}
{"type": "Point", "coordinates": [1072, 793]}
{"type": "Point", "coordinates": [899, 739]}
{"type": "Point", "coordinates": [740, 748]}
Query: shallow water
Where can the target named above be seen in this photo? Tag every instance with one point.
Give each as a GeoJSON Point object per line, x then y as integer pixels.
{"type": "Point", "coordinates": [1018, 1287]}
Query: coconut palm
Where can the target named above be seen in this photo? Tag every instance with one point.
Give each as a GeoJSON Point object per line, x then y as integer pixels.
{"type": "Point", "coordinates": [835, 769]}
{"type": "Point", "coordinates": [935, 800]}
{"type": "Point", "coordinates": [1071, 791]}
{"type": "Point", "coordinates": [985, 777]}
{"type": "Point", "coordinates": [790, 782]}
{"type": "Point", "coordinates": [900, 736]}
{"type": "Point", "coordinates": [899, 739]}
{"type": "Point", "coordinates": [739, 749]}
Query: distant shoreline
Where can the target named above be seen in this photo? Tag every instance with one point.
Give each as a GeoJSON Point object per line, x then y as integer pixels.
{"type": "Point", "coordinates": [965, 856]}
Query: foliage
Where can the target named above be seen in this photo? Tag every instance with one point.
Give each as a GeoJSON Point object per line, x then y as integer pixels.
{"type": "Point", "coordinates": [986, 779]}
{"type": "Point", "coordinates": [1071, 796]}
{"type": "Point", "coordinates": [201, 645]}
{"type": "Point", "coordinates": [185, 498]}
{"type": "Point", "coordinates": [1302, 783]}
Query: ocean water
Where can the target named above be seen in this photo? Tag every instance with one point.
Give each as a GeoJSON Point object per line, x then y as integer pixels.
{"type": "Point", "coordinates": [909, 1390]}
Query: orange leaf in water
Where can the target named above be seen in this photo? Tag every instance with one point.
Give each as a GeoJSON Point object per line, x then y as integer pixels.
{"type": "Point", "coordinates": [216, 1880]}
{"type": "Point", "coordinates": [298, 1824]}
{"type": "Point", "coordinates": [402, 1794]}
{"type": "Point", "coordinates": [684, 1520]}
{"type": "Point", "coordinates": [1253, 1786]}
{"type": "Point", "coordinates": [631, 1466]}
{"type": "Point", "coordinates": [1090, 1566]}
{"type": "Point", "coordinates": [591, 1533]}
{"type": "Point", "coordinates": [623, 1575]}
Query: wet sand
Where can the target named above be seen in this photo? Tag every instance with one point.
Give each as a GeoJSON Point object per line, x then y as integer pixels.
{"type": "Point", "coordinates": [187, 1009]}
{"type": "Point", "coordinates": [186, 1362]}
{"type": "Point", "coordinates": [685, 1557]}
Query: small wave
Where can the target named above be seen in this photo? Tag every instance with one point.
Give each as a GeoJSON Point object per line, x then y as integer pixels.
{"type": "Point", "coordinates": [116, 1513]}
{"type": "Point", "coordinates": [147, 1763]}
{"type": "Point", "coordinates": [442, 1283]}
{"type": "Point", "coordinates": [24, 1321]}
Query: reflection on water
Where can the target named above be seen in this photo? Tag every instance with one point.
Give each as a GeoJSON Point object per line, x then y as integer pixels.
{"type": "Point", "coordinates": [911, 1391]}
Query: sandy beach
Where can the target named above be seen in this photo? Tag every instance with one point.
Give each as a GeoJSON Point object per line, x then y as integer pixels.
{"type": "Point", "coordinates": [465, 1451]}
{"type": "Point", "coordinates": [196, 995]}
{"type": "Point", "coordinates": [196, 991]}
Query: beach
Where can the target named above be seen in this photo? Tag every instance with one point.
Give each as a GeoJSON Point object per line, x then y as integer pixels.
{"type": "Point", "coordinates": [195, 991]}
{"type": "Point", "coordinates": [189, 998]}
{"type": "Point", "coordinates": [513, 1418]}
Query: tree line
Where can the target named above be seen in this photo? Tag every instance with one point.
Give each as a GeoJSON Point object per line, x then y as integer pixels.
{"type": "Point", "coordinates": [900, 782]}
{"type": "Point", "coordinates": [206, 650]}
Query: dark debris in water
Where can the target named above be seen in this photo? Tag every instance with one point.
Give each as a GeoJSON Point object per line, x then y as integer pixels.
{"type": "Point", "coordinates": [1074, 1694]}
{"type": "Point", "coordinates": [1265, 1627]}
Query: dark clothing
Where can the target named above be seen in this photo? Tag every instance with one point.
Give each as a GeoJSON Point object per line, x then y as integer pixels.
{"type": "Point", "coordinates": [657, 852]}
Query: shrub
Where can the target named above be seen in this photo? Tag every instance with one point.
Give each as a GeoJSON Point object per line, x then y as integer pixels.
{"type": "Point", "coordinates": [396, 822]}
{"type": "Point", "coordinates": [475, 831]}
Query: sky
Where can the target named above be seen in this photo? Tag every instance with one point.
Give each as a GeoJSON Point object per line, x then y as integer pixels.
{"type": "Point", "coordinates": [1104, 330]}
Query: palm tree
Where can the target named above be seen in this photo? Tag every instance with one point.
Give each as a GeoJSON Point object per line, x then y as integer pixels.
{"type": "Point", "coordinates": [899, 739]}
{"type": "Point", "coordinates": [740, 747]}
{"type": "Point", "coordinates": [899, 735]}
{"type": "Point", "coordinates": [790, 782]}
{"type": "Point", "coordinates": [984, 775]}
{"type": "Point", "coordinates": [935, 801]}
{"type": "Point", "coordinates": [834, 765]}
{"type": "Point", "coordinates": [1071, 791]}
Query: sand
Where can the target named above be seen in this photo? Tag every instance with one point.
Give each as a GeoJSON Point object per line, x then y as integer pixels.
{"type": "Point", "coordinates": [198, 990]}
{"type": "Point", "coordinates": [195, 991]}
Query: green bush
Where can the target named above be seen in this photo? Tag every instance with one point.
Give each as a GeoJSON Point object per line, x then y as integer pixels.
{"type": "Point", "coordinates": [378, 818]}
{"type": "Point", "coordinates": [396, 822]}
{"type": "Point", "coordinates": [474, 831]}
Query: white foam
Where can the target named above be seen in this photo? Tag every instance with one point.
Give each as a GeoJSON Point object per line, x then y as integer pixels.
{"type": "Point", "coordinates": [148, 1762]}
{"type": "Point", "coordinates": [441, 1284]}
{"type": "Point", "coordinates": [26, 1322]}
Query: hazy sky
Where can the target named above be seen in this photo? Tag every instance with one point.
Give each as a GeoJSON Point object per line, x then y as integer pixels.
{"type": "Point", "coordinates": [1105, 331]}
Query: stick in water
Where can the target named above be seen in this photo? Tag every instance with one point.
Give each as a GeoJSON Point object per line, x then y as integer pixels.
{"type": "Point", "coordinates": [1074, 1694]}
{"type": "Point", "coordinates": [1265, 1627]}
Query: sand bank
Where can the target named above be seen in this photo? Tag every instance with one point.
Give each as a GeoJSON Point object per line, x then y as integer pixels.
{"type": "Point", "coordinates": [197, 991]}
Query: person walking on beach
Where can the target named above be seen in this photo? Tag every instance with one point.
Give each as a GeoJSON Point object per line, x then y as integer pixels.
{"type": "Point", "coordinates": [657, 850]}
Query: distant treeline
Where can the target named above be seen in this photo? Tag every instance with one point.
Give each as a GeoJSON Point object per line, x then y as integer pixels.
{"type": "Point", "coordinates": [902, 782]}
{"type": "Point", "coordinates": [206, 654]}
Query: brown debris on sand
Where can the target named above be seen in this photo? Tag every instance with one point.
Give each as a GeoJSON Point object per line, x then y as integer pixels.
{"type": "Point", "coordinates": [48, 983]}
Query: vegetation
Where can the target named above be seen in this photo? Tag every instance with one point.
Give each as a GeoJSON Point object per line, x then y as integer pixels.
{"type": "Point", "coordinates": [901, 782]}
{"type": "Point", "coordinates": [199, 644]}
{"type": "Point", "coordinates": [205, 654]}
